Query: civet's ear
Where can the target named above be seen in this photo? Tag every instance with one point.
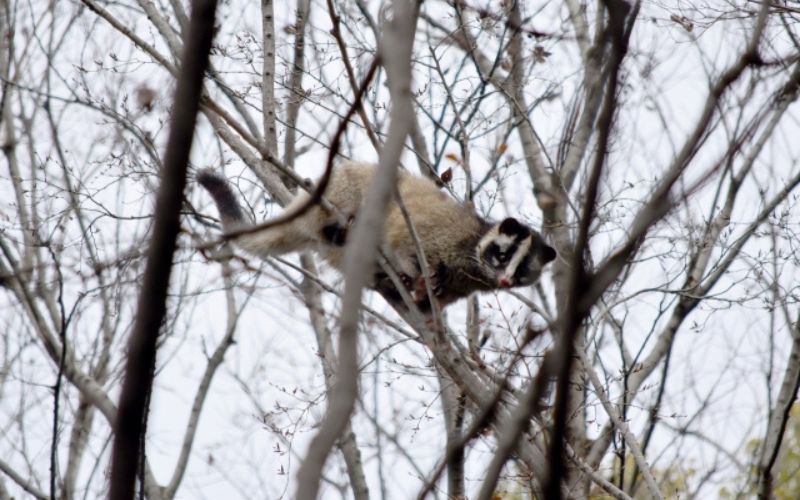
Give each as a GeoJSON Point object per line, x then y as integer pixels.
{"type": "Point", "coordinates": [512, 226]}
{"type": "Point", "coordinates": [548, 254]}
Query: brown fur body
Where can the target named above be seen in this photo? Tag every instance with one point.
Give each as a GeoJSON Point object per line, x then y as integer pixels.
{"type": "Point", "coordinates": [452, 236]}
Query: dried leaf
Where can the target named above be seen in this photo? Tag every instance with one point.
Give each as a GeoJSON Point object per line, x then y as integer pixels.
{"type": "Point", "coordinates": [683, 21]}
{"type": "Point", "coordinates": [502, 148]}
{"type": "Point", "coordinates": [145, 97]}
{"type": "Point", "coordinates": [540, 55]}
{"type": "Point", "coordinates": [452, 157]}
{"type": "Point", "coordinates": [447, 176]}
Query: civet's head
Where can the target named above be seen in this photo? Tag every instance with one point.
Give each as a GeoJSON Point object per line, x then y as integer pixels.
{"type": "Point", "coordinates": [514, 253]}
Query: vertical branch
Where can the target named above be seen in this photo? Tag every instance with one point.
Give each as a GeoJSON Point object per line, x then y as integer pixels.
{"type": "Point", "coordinates": [316, 310]}
{"type": "Point", "coordinates": [62, 336]}
{"type": "Point", "coordinates": [361, 250]}
{"type": "Point", "coordinates": [508, 439]}
{"type": "Point", "coordinates": [420, 149]}
{"type": "Point", "coordinates": [779, 416]}
{"type": "Point", "coordinates": [453, 410]}
{"type": "Point", "coordinates": [79, 438]}
{"type": "Point", "coordinates": [311, 294]}
{"type": "Point", "coordinates": [213, 363]}
{"type": "Point", "coordinates": [347, 443]}
{"type": "Point", "coordinates": [574, 310]}
{"type": "Point", "coordinates": [621, 425]}
{"type": "Point", "coordinates": [152, 299]}
{"type": "Point", "coordinates": [545, 189]}
{"type": "Point", "coordinates": [352, 458]}
{"type": "Point", "coordinates": [9, 141]}
{"type": "Point", "coordinates": [296, 96]}
{"type": "Point", "coordinates": [269, 106]}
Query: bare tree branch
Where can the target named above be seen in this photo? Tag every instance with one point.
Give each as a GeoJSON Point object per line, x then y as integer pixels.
{"type": "Point", "coordinates": [620, 424]}
{"type": "Point", "coordinates": [152, 299]}
{"type": "Point", "coordinates": [25, 485]}
{"type": "Point", "coordinates": [362, 244]}
{"type": "Point", "coordinates": [779, 415]}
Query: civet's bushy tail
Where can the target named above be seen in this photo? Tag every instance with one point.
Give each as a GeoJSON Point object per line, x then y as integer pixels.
{"type": "Point", "coordinates": [278, 240]}
{"type": "Point", "coordinates": [229, 210]}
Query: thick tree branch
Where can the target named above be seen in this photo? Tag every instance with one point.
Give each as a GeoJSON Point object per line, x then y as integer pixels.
{"type": "Point", "coordinates": [362, 245]}
{"type": "Point", "coordinates": [152, 299]}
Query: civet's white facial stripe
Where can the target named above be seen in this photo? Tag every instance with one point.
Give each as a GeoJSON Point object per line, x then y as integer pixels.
{"type": "Point", "coordinates": [522, 251]}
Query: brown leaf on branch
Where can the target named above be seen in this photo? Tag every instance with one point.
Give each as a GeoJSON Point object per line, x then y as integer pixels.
{"type": "Point", "coordinates": [683, 21]}
{"type": "Point", "coordinates": [447, 175]}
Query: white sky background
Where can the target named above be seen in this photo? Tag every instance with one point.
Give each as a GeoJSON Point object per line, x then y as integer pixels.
{"type": "Point", "coordinates": [235, 456]}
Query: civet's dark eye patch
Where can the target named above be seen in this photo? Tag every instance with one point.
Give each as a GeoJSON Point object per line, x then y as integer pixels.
{"type": "Point", "coordinates": [500, 252]}
{"type": "Point", "coordinates": [521, 273]}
